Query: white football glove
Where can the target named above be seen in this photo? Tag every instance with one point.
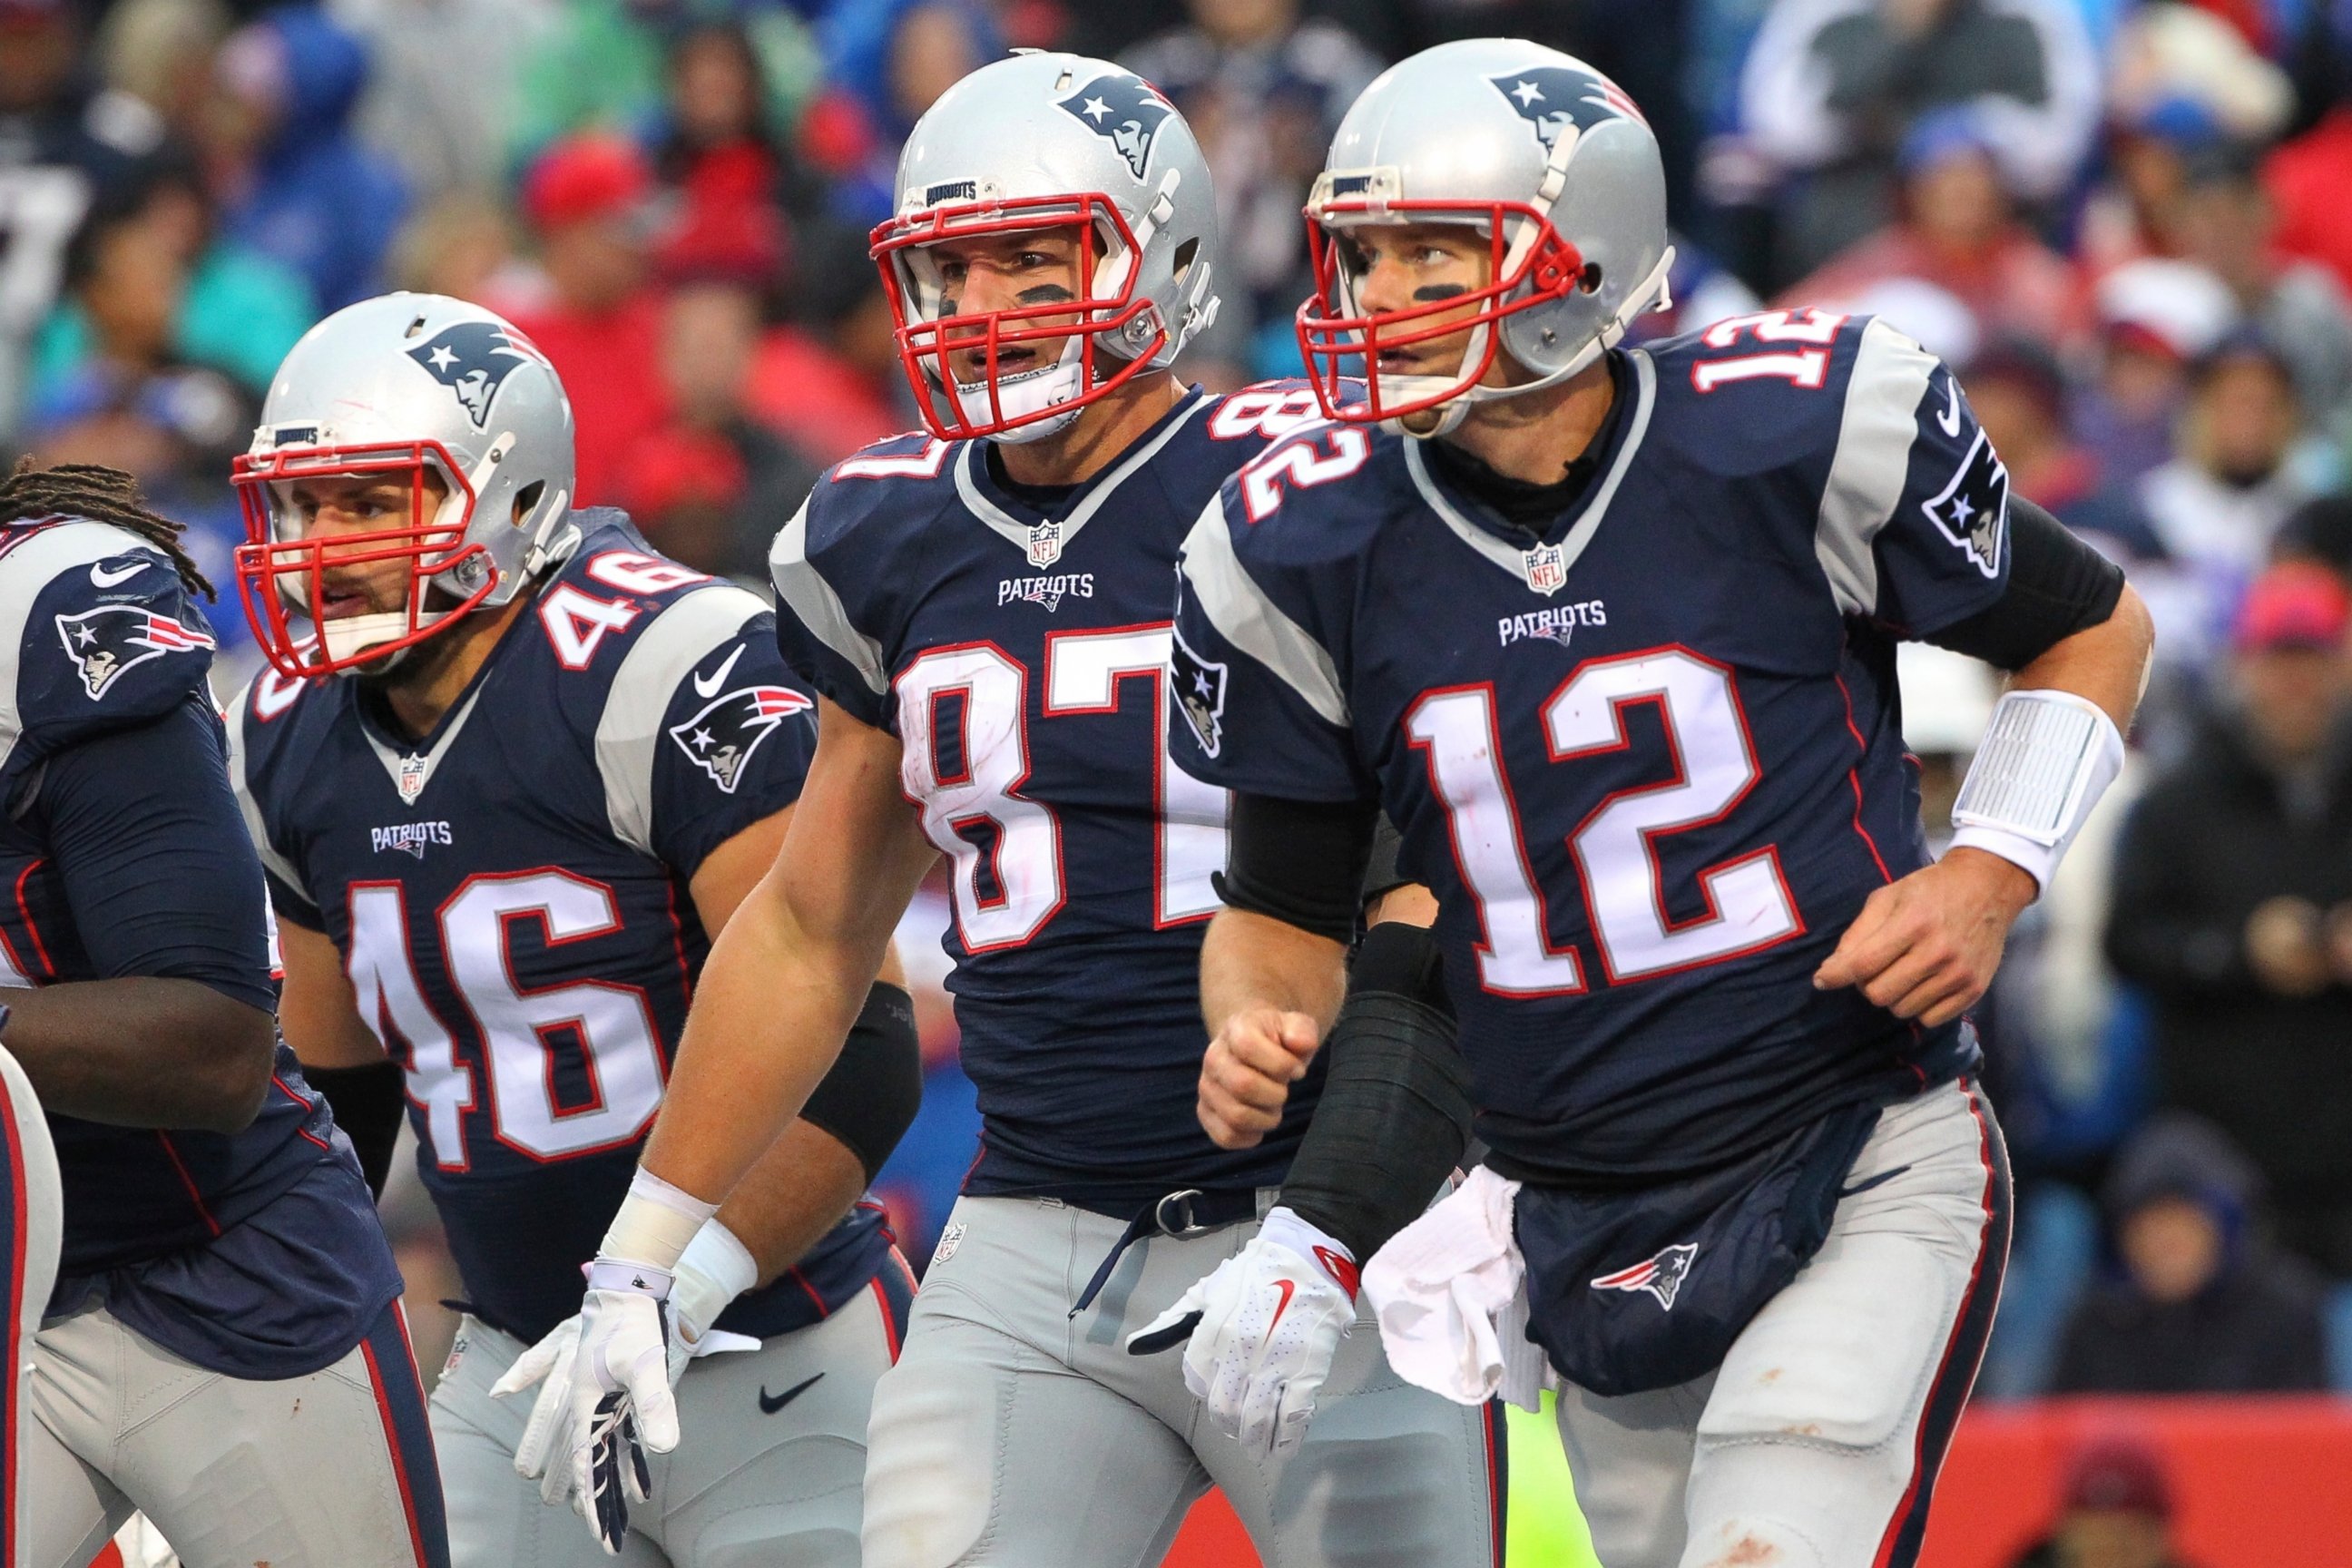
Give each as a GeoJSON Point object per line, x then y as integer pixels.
{"type": "Point", "coordinates": [1261, 1331]}
{"type": "Point", "coordinates": [617, 1387]}
{"type": "Point", "coordinates": [715, 1269]}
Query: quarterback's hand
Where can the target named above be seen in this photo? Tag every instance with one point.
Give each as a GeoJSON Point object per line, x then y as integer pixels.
{"type": "Point", "coordinates": [1926, 947]}
{"type": "Point", "coordinates": [1262, 1331]}
{"type": "Point", "coordinates": [1246, 1076]}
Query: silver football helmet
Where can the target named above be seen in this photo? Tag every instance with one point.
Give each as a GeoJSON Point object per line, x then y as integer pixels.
{"type": "Point", "coordinates": [403, 385]}
{"type": "Point", "coordinates": [1045, 142]}
{"type": "Point", "coordinates": [1549, 161]}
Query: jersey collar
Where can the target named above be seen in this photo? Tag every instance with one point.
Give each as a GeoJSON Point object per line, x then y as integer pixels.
{"type": "Point", "coordinates": [1041, 538]}
{"type": "Point", "coordinates": [1475, 527]}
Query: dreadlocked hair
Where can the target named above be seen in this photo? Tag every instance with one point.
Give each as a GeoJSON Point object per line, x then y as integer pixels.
{"type": "Point", "coordinates": [102, 495]}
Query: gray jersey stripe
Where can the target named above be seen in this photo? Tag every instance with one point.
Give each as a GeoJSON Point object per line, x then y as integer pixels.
{"type": "Point", "coordinates": [805, 592]}
{"type": "Point", "coordinates": [280, 865]}
{"type": "Point", "coordinates": [28, 569]}
{"type": "Point", "coordinates": [1252, 623]}
{"type": "Point", "coordinates": [686, 632]}
{"type": "Point", "coordinates": [1873, 457]}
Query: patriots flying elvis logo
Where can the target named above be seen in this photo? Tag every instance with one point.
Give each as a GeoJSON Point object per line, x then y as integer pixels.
{"type": "Point", "coordinates": [473, 359]}
{"type": "Point", "coordinates": [1553, 97]}
{"type": "Point", "coordinates": [721, 738]}
{"type": "Point", "coordinates": [1127, 110]}
{"type": "Point", "coordinates": [106, 641]}
{"type": "Point", "coordinates": [1662, 1276]}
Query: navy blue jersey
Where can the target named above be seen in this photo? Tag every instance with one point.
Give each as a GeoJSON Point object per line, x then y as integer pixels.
{"type": "Point", "coordinates": [1651, 761]}
{"type": "Point", "coordinates": [511, 896]}
{"type": "Point", "coordinates": [1017, 654]}
{"type": "Point", "coordinates": [255, 1253]}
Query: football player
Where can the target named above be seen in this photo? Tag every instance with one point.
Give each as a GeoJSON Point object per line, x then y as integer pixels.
{"type": "Point", "coordinates": [223, 1348]}
{"type": "Point", "coordinates": [1609, 635]}
{"type": "Point", "coordinates": [983, 610]}
{"type": "Point", "coordinates": [32, 1217]}
{"type": "Point", "coordinates": [520, 772]}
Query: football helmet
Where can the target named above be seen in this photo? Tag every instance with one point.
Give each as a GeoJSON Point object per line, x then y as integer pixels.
{"type": "Point", "coordinates": [1550, 162]}
{"type": "Point", "coordinates": [1049, 142]}
{"type": "Point", "coordinates": [403, 385]}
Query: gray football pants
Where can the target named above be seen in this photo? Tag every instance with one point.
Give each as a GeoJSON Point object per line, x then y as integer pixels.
{"type": "Point", "coordinates": [763, 1475]}
{"type": "Point", "coordinates": [1816, 1443]}
{"type": "Point", "coordinates": [32, 1227]}
{"type": "Point", "coordinates": [1011, 1434]}
{"type": "Point", "coordinates": [330, 1470]}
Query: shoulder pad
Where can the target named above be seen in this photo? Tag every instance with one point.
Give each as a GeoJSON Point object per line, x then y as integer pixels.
{"type": "Point", "coordinates": [1318, 493]}
{"type": "Point", "coordinates": [1765, 391]}
{"type": "Point", "coordinates": [99, 632]}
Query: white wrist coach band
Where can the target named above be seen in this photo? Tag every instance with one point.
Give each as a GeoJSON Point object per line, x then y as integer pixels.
{"type": "Point", "coordinates": [654, 1223]}
{"type": "Point", "coordinates": [2046, 758]}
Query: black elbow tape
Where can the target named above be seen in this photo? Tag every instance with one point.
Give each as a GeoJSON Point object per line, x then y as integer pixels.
{"type": "Point", "coordinates": [1402, 959]}
{"type": "Point", "coordinates": [1392, 1123]}
{"type": "Point", "coordinates": [1299, 862]}
{"type": "Point", "coordinates": [2058, 585]}
{"type": "Point", "coordinates": [869, 1099]}
{"type": "Point", "coordinates": [367, 1103]}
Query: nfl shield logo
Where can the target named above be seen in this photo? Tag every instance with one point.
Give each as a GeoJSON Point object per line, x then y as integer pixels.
{"type": "Point", "coordinates": [412, 779]}
{"type": "Point", "coordinates": [1545, 568]}
{"type": "Point", "coordinates": [1044, 543]}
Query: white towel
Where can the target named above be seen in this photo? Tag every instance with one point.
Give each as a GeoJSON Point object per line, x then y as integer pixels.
{"type": "Point", "coordinates": [1449, 1293]}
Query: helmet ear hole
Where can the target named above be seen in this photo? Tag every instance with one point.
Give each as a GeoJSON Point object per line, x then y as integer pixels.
{"type": "Point", "coordinates": [1183, 257]}
{"type": "Point", "coordinates": [1589, 280]}
{"type": "Point", "coordinates": [526, 501]}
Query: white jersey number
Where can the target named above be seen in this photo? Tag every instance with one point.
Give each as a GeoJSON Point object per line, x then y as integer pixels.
{"type": "Point", "coordinates": [1747, 900]}
{"type": "Point", "coordinates": [1007, 849]}
{"type": "Point", "coordinates": [612, 1023]}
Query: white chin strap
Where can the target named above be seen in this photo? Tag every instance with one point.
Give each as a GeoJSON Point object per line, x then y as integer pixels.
{"type": "Point", "coordinates": [1027, 393]}
{"type": "Point", "coordinates": [348, 635]}
{"type": "Point", "coordinates": [1447, 416]}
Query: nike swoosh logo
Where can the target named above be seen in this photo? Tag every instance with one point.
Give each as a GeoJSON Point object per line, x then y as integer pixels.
{"type": "Point", "coordinates": [772, 1402]}
{"type": "Point", "coordinates": [707, 686]}
{"type": "Point", "coordinates": [1950, 415]}
{"type": "Point", "coordinates": [100, 577]}
{"type": "Point", "coordinates": [1287, 1287]}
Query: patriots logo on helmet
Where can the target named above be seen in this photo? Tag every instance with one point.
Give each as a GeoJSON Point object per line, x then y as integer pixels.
{"type": "Point", "coordinates": [1553, 97]}
{"type": "Point", "coordinates": [106, 641]}
{"type": "Point", "coordinates": [473, 359]}
{"type": "Point", "coordinates": [1972, 511]}
{"type": "Point", "coordinates": [1662, 1276]}
{"type": "Point", "coordinates": [1125, 109]}
{"type": "Point", "coordinates": [721, 738]}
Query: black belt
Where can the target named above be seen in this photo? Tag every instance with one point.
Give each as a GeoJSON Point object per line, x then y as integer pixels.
{"type": "Point", "coordinates": [1191, 1212]}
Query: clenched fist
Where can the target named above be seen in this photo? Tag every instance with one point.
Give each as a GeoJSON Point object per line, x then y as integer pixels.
{"type": "Point", "coordinates": [1246, 1076]}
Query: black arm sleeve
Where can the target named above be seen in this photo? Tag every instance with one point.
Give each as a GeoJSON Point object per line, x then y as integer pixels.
{"type": "Point", "coordinates": [2058, 585]}
{"type": "Point", "coordinates": [1395, 1112]}
{"type": "Point", "coordinates": [368, 1103]}
{"type": "Point", "coordinates": [868, 1099]}
{"type": "Point", "coordinates": [1299, 862]}
{"type": "Point", "coordinates": [157, 868]}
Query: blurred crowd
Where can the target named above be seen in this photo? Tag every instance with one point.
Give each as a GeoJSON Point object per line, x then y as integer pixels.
{"type": "Point", "coordinates": [2127, 223]}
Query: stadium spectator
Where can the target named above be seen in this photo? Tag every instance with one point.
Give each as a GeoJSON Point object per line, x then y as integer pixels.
{"type": "Point", "coordinates": [2308, 178]}
{"type": "Point", "coordinates": [463, 245]}
{"type": "Point", "coordinates": [2116, 1513]}
{"type": "Point", "coordinates": [1831, 87]}
{"type": "Point", "coordinates": [159, 53]}
{"type": "Point", "coordinates": [2240, 466]}
{"type": "Point", "coordinates": [886, 62]}
{"type": "Point", "coordinates": [292, 180]}
{"type": "Point", "coordinates": [61, 142]}
{"type": "Point", "coordinates": [2155, 318]}
{"type": "Point", "coordinates": [2200, 1302]}
{"type": "Point", "coordinates": [2225, 224]}
{"type": "Point", "coordinates": [442, 93]}
{"type": "Point", "coordinates": [1264, 90]}
{"type": "Point", "coordinates": [2018, 389]}
{"type": "Point", "coordinates": [1956, 228]}
{"type": "Point", "coordinates": [2233, 908]}
{"type": "Point", "coordinates": [587, 200]}
{"type": "Point", "coordinates": [234, 308]}
{"type": "Point", "coordinates": [713, 484]}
